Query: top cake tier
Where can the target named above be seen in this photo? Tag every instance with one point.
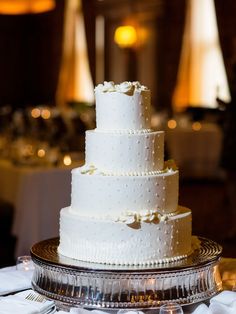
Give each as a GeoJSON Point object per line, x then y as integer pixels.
{"type": "Point", "coordinates": [125, 106]}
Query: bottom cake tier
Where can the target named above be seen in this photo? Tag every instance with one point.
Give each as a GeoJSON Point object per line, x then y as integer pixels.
{"type": "Point", "coordinates": [141, 243]}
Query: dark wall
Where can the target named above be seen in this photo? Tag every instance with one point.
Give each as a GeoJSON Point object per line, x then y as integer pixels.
{"type": "Point", "coordinates": [30, 47]}
{"type": "Point", "coordinates": [155, 62]}
{"type": "Point", "coordinates": [30, 52]}
{"type": "Point", "coordinates": [225, 13]}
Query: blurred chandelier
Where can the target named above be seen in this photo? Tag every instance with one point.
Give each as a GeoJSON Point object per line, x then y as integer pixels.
{"type": "Point", "coordinates": [14, 7]}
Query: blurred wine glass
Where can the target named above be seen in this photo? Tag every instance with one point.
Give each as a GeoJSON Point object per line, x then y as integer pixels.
{"type": "Point", "coordinates": [24, 263]}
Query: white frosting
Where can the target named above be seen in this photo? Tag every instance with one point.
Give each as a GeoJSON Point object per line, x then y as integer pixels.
{"type": "Point", "coordinates": [94, 194]}
{"type": "Point", "coordinates": [130, 217]}
{"type": "Point", "coordinates": [124, 87]}
{"type": "Point", "coordinates": [124, 200]}
{"type": "Point", "coordinates": [91, 169]}
{"type": "Point", "coordinates": [125, 131]}
{"type": "Point", "coordinates": [121, 107]}
{"type": "Point", "coordinates": [109, 242]}
{"type": "Point", "coordinates": [110, 152]}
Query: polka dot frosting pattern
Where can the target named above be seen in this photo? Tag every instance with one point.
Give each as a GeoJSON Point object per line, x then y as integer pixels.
{"type": "Point", "coordinates": [123, 109]}
{"type": "Point", "coordinates": [125, 152]}
{"type": "Point", "coordinates": [129, 193]}
{"type": "Point", "coordinates": [143, 245]}
{"type": "Point", "coordinates": [124, 200]}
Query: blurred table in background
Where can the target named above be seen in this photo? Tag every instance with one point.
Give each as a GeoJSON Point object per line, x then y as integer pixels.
{"type": "Point", "coordinates": [227, 268]}
{"type": "Point", "coordinates": [196, 148]}
{"type": "Point", "coordinates": [37, 194]}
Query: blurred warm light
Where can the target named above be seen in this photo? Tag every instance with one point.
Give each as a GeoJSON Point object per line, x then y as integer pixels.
{"type": "Point", "coordinates": [41, 153]}
{"type": "Point", "coordinates": [201, 77]}
{"type": "Point", "coordinates": [75, 79]}
{"type": "Point", "coordinates": [196, 126]}
{"type": "Point", "coordinates": [155, 121]}
{"type": "Point", "coordinates": [172, 124]}
{"type": "Point", "coordinates": [67, 160]}
{"type": "Point", "coordinates": [45, 114]}
{"type": "Point", "coordinates": [27, 150]}
{"type": "Point", "coordinates": [142, 34]}
{"type": "Point", "coordinates": [125, 36]}
{"type": "Point", "coordinates": [25, 6]}
{"type": "Point", "coordinates": [35, 112]}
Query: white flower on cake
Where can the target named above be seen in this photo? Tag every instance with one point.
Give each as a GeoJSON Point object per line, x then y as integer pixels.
{"type": "Point", "coordinates": [124, 87]}
{"type": "Point", "coordinates": [89, 170]}
{"type": "Point", "coordinates": [138, 86]}
{"type": "Point", "coordinates": [163, 217]}
{"type": "Point", "coordinates": [148, 216]}
{"type": "Point", "coordinates": [106, 87]}
{"type": "Point", "coordinates": [131, 219]}
{"type": "Point", "coordinates": [128, 217]}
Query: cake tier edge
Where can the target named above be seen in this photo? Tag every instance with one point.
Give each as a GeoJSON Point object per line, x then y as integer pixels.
{"type": "Point", "coordinates": [121, 244]}
{"type": "Point", "coordinates": [97, 194]}
{"type": "Point", "coordinates": [141, 152]}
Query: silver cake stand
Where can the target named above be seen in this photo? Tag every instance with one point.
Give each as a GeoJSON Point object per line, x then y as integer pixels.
{"type": "Point", "coordinates": [110, 287]}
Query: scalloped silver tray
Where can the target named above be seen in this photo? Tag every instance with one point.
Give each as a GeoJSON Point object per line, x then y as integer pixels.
{"type": "Point", "coordinates": [74, 283]}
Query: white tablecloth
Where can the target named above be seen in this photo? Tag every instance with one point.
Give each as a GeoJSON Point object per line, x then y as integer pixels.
{"type": "Point", "coordinates": [38, 194]}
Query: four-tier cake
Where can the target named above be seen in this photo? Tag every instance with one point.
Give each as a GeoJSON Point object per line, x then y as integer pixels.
{"type": "Point", "coordinates": [124, 202]}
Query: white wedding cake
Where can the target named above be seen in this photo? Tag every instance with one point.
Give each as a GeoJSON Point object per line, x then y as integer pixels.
{"type": "Point", "coordinates": [124, 202]}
